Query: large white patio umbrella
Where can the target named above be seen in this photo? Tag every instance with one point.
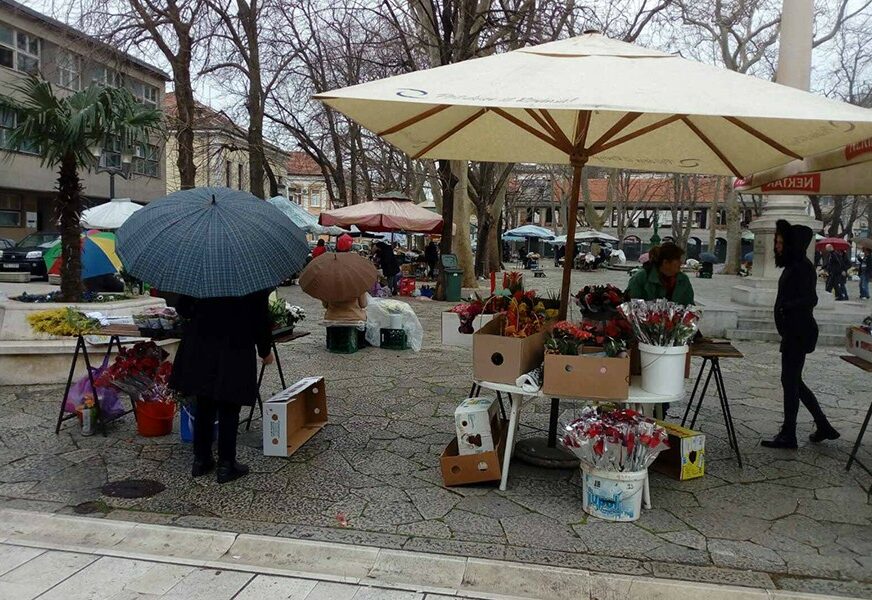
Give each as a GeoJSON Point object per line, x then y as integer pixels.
{"type": "Point", "coordinates": [845, 170]}
{"type": "Point", "coordinates": [595, 101]}
{"type": "Point", "coordinates": [110, 215]}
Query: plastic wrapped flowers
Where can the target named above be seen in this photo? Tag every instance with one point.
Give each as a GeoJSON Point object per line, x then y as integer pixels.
{"type": "Point", "coordinates": [618, 440]}
{"type": "Point", "coordinates": [660, 322]}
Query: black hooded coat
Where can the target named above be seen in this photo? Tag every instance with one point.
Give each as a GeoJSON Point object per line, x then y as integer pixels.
{"type": "Point", "coordinates": [797, 295]}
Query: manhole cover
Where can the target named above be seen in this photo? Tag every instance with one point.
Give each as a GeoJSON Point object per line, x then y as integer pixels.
{"type": "Point", "coordinates": [133, 488]}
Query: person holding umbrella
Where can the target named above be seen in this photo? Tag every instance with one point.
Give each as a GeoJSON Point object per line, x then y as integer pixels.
{"type": "Point", "coordinates": [837, 273]}
{"type": "Point", "coordinates": [794, 319]}
{"type": "Point", "coordinates": [340, 280]}
{"type": "Point", "coordinates": [223, 251]}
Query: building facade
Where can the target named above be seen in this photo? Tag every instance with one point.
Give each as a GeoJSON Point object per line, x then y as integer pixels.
{"type": "Point", "coordinates": [32, 43]}
{"type": "Point", "coordinates": [306, 185]}
{"type": "Point", "coordinates": [221, 152]}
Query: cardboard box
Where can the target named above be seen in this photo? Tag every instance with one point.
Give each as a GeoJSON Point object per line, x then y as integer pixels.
{"type": "Point", "coordinates": [859, 343]}
{"type": "Point", "coordinates": [292, 417]}
{"type": "Point", "coordinates": [501, 359]}
{"type": "Point", "coordinates": [474, 468]}
{"type": "Point", "coordinates": [593, 377]}
{"type": "Point", "coordinates": [472, 423]}
{"type": "Point", "coordinates": [685, 458]}
{"type": "Point", "coordinates": [452, 337]}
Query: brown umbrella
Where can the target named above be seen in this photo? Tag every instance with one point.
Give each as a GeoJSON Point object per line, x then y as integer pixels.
{"type": "Point", "coordinates": [865, 243]}
{"type": "Point", "coordinates": [337, 277]}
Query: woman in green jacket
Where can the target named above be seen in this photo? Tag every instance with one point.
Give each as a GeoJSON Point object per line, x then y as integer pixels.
{"type": "Point", "coordinates": [661, 277]}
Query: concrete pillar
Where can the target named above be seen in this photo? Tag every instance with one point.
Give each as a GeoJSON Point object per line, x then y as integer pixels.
{"type": "Point", "coordinates": [794, 69]}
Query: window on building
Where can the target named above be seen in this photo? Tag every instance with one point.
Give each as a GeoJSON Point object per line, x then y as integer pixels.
{"type": "Point", "coordinates": [239, 175]}
{"type": "Point", "coordinates": [8, 122]}
{"type": "Point", "coordinates": [227, 171]}
{"type": "Point", "coordinates": [19, 51]}
{"type": "Point", "coordinates": [111, 156]}
{"type": "Point", "coordinates": [315, 198]}
{"type": "Point", "coordinates": [549, 215]}
{"type": "Point", "coordinates": [146, 94]}
{"type": "Point", "coordinates": [10, 218]}
{"type": "Point", "coordinates": [69, 69]}
{"type": "Point", "coordinates": [108, 76]}
{"type": "Point", "coordinates": [146, 160]}
{"type": "Point", "coordinates": [296, 195]}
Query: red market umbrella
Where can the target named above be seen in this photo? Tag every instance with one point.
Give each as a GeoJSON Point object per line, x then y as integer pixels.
{"type": "Point", "coordinates": [386, 213]}
{"type": "Point", "coordinates": [836, 243]}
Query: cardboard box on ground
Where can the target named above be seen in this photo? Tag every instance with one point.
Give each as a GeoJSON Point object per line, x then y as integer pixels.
{"type": "Point", "coordinates": [502, 359]}
{"type": "Point", "coordinates": [859, 343]}
{"type": "Point", "coordinates": [475, 468]}
{"type": "Point", "coordinates": [685, 458]}
{"type": "Point", "coordinates": [293, 416]}
{"type": "Point", "coordinates": [472, 423]}
{"type": "Point", "coordinates": [586, 376]}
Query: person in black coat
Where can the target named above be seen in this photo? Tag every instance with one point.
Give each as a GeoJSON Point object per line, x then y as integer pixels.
{"type": "Point", "coordinates": [431, 257]}
{"type": "Point", "coordinates": [794, 319]}
{"type": "Point", "coordinates": [216, 364]}
{"type": "Point", "coordinates": [389, 265]}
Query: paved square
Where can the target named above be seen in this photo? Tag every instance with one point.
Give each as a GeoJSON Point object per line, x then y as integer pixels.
{"type": "Point", "coordinates": [791, 520]}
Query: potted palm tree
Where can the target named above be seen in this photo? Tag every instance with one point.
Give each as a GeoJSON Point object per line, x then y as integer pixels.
{"type": "Point", "coordinates": [64, 131]}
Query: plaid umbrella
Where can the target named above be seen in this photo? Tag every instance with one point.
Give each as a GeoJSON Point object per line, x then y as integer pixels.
{"type": "Point", "coordinates": [211, 242]}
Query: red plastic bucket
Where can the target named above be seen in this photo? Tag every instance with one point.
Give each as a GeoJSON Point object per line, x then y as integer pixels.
{"type": "Point", "coordinates": [154, 419]}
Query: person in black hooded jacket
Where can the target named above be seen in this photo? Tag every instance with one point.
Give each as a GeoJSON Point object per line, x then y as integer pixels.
{"type": "Point", "coordinates": [794, 319]}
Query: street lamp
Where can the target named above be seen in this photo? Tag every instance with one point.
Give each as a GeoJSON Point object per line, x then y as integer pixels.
{"type": "Point", "coordinates": [655, 239]}
{"type": "Point", "coordinates": [123, 169]}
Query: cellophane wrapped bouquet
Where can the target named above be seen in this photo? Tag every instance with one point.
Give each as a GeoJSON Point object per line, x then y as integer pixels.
{"type": "Point", "coordinates": [599, 299]}
{"type": "Point", "coordinates": [661, 322]}
{"type": "Point", "coordinates": [142, 371]}
{"type": "Point", "coordinates": [617, 440]}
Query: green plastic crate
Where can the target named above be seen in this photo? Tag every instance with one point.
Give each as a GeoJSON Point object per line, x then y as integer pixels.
{"type": "Point", "coordinates": [393, 339]}
{"type": "Point", "coordinates": [342, 340]}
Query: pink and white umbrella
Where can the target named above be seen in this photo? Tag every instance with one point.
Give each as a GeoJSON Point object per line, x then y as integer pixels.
{"type": "Point", "coordinates": [390, 212]}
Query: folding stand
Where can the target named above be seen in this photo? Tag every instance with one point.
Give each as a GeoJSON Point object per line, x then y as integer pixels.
{"type": "Point", "coordinates": [280, 336]}
{"type": "Point", "coordinates": [866, 366]}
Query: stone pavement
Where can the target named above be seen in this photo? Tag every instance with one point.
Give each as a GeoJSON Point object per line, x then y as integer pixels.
{"type": "Point", "coordinates": [788, 520]}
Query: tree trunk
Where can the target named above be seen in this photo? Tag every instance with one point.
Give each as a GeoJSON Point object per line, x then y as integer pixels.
{"type": "Point", "coordinates": [248, 15]}
{"type": "Point", "coordinates": [69, 209]}
{"type": "Point", "coordinates": [447, 183]}
{"type": "Point", "coordinates": [462, 207]}
{"type": "Point", "coordinates": [483, 236]}
{"type": "Point", "coordinates": [734, 233]}
{"type": "Point", "coordinates": [836, 216]}
{"type": "Point", "coordinates": [185, 126]}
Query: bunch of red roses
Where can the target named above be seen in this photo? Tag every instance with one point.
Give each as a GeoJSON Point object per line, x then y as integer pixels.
{"type": "Point", "coordinates": [660, 322]}
{"type": "Point", "coordinates": [598, 299]}
{"type": "Point", "coordinates": [141, 371]}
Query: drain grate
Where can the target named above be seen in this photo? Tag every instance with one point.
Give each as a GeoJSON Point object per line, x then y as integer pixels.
{"type": "Point", "coordinates": [133, 488]}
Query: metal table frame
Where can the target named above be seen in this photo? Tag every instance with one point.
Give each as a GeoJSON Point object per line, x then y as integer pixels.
{"type": "Point", "coordinates": [866, 366]}
{"type": "Point", "coordinates": [711, 355]}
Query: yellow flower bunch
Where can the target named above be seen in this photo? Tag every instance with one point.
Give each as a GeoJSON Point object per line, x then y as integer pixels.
{"type": "Point", "coordinates": [63, 322]}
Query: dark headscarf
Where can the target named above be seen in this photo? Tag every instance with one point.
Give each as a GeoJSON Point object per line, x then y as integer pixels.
{"type": "Point", "coordinates": [796, 239]}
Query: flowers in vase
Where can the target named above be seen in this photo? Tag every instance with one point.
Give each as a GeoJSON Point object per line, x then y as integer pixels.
{"type": "Point", "coordinates": [618, 440]}
{"type": "Point", "coordinates": [467, 312]}
{"type": "Point", "coordinates": [283, 314]}
{"type": "Point", "coordinates": [661, 322]}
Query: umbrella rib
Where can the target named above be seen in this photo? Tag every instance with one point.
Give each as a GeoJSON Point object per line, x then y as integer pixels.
{"type": "Point", "coordinates": [558, 132]}
{"type": "Point", "coordinates": [635, 134]}
{"type": "Point", "coordinates": [582, 126]}
{"type": "Point", "coordinates": [614, 130]}
{"type": "Point", "coordinates": [411, 121]}
{"type": "Point", "coordinates": [544, 125]}
{"type": "Point", "coordinates": [532, 130]}
{"type": "Point", "coordinates": [449, 133]}
{"type": "Point", "coordinates": [692, 126]}
{"type": "Point", "coordinates": [763, 137]}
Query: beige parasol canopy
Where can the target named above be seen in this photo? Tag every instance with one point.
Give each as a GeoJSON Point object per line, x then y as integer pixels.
{"type": "Point", "coordinates": [845, 170]}
{"type": "Point", "coordinates": [592, 100]}
{"type": "Point", "coordinates": [338, 276]}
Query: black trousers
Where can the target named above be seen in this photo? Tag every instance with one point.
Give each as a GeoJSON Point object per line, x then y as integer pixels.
{"type": "Point", "coordinates": [204, 429]}
{"type": "Point", "coordinates": [795, 391]}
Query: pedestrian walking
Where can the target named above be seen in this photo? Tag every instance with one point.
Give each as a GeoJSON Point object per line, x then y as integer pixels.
{"type": "Point", "coordinates": [864, 262]}
{"type": "Point", "coordinates": [794, 319]}
{"type": "Point", "coordinates": [837, 273]}
{"type": "Point", "coordinates": [389, 265]}
{"type": "Point", "coordinates": [431, 257]}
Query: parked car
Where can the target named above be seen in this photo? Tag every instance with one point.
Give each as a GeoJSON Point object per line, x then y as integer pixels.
{"type": "Point", "coordinates": [26, 255]}
{"type": "Point", "coordinates": [4, 243]}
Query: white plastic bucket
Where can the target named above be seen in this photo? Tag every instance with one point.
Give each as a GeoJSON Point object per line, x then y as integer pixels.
{"type": "Point", "coordinates": [613, 496]}
{"type": "Point", "coordinates": [663, 369]}
{"type": "Point", "coordinates": [396, 321]}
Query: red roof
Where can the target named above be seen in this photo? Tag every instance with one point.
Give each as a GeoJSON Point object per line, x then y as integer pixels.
{"type": "Point", "coordinates": [204, 117]}
{"type": "Point", "coordinates": [301, 163]}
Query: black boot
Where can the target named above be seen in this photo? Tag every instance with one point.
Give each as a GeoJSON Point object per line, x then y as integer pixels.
{"type": "Point", "coordinates": [782, 440]}
{"type": "Point", "coordinates": [824, 432]}
{"type": "Point", "coordinates": [230, 471]}
{"type": "Point", "coordinates": [202, 467]}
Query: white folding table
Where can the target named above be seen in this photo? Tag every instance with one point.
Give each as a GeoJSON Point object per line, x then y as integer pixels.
{"type": "Point", "coordinates": [637, 399]}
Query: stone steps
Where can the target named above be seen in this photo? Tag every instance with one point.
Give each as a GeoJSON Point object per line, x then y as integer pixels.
{"type": "Point", "coordinates": [765, 335]}
{"type": "Point", "coordinates": [824, 327]}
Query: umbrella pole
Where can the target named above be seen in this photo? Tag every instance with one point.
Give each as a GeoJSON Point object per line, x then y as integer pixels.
{"type": "Point", "coordinates": [569, 256]}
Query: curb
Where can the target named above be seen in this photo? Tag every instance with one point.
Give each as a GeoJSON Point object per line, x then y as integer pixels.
{"type": "Point", "coordinates": [359, 565]}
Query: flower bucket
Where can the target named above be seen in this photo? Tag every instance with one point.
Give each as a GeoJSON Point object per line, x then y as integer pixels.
{"type": "Point", "coordinates": [154, 419]}
{"type": "Point", "coordinates": [611, 495]}
{"type": "Point", "coordinates": [396, 321]}
{"type": "Point", "coordinates": [663, 369]}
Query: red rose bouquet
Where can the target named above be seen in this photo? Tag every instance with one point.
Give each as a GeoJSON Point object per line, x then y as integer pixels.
{"type": "Point", "coordinates": [467, 312]}
{"type": "Point", "coordinates": [619, 440]}
{"type": "Point", "coordinates": [141, 371]}
{"type": "Point", "coordinates": [660, 322]}
{"type": "Point", "coordinates": [599, 299]}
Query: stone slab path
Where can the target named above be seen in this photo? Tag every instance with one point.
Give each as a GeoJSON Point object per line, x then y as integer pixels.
{"type": "Point", "coordinates": [791, 521]}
